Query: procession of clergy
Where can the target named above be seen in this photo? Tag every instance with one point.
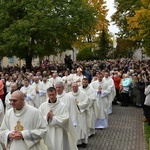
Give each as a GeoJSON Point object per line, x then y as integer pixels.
{"type": "Point", "coordinates": [55, 113]}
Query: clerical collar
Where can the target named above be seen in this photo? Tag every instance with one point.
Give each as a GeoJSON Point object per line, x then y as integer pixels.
{"type": "Point", "coordinates": [75, 94]}
{"type": "Point", "coordinates": [62, 94]}
{"type": "Point", "coordinates": [51, 102]}
{"type": "Point", "coordinates": [19, 113]}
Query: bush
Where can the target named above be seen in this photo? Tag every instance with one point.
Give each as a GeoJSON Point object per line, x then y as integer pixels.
{"type": "Point", "coordinates": [85, 54]}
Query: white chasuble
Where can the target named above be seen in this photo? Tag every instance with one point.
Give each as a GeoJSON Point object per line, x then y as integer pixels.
{"type": "Point", "coordinates": [82, 125]}
{"type": "Point", "coordinates": [102, 103]}
{"type": "Point", "coordinates": [30, 122]}
{"type": "Point", "coordinates": [41, 96]}
{"type": "Point", "coordinates": [60, 128]}
{"type": "Point", "coordinates": [90, 113]}
{"type": "Point", "coordinates": [30, 94]}
{"type": "Point", "coordinates": [69, 101]}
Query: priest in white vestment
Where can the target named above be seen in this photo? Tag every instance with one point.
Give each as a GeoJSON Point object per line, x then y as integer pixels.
{"type": "Point", "coordinates": [47, 84]}
{"type": "Point", "coordinates": [68, 100]}
{"type": "Point", "coordinates": [72, 76]}
{"type": "Point", "coordinates": [102, 90]}
{"type": "Point", "coordinates": [29, 92]}
{"type": "Point", "coordinates": [67, 82]}
{"type": "Point", "coordinates": [40, 90]}
{"type": "Point", "coordinates": [55, 78]}
{"type": "Point", "coordinates": [23, 126]}
{"type": "Point", "coordinates": [112, 94]}
{"type": "Point", "coordinates": [60, 126]}
{"type": "Point", "coordinates": [14, 87]}
{"type": "Point", "coordinates": [82, 103]}
{"type": "Point", "coordinates": [92, 98]}
{"type": "Point", "coordinates": [78, 77]}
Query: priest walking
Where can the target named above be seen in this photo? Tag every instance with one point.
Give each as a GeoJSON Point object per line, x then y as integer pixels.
{"type": "Point", "coordinates": [23, 126]}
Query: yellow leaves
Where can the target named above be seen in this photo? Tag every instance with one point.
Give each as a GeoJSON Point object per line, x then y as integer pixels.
{"type": "Point", "coordinates": [139, 24]}
{"type": "Point", "coordinates": [101, 24]}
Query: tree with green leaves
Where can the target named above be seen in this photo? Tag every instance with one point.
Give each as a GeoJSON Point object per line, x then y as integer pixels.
{"type": "Point", "coordinates": [103, 47]}
{"type": "Point", "coordinates": [124, 8]}
{"type": "Point", "coordinates": [125, 48]}
{"type": "Point", "coordinates": [86, 54]}
{"type": "Point", "coordinates": [39, 28]}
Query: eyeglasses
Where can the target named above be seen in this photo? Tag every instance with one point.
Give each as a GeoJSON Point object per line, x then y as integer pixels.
{"type": "Point", "coordinates": [13, 100]}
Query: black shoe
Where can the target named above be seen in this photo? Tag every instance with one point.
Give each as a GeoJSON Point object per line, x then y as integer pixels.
{"type": "Point", "coordinates": [114, 103]}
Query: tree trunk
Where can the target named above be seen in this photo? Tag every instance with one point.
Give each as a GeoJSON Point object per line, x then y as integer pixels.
{"type": "Point", "coordinates": [28, 60]}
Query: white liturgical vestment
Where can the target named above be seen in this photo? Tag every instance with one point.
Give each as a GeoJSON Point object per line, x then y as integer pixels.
{"type": "Point", "coordinates": [69, 101]}
{"type": "Point", "coordinates": [67, 83]}
{"type": "Point", "coordinates": [7, 102]}
{"type": "Point", "coordinates": [112, 94]}
{"type": "Point", "coordinates": [90, 113]}
{"type": "Point", "coordinates": [30, 122]}
{"type": "Point", "coordinates": [60, 128]}
{"type": "Point", "coordinates": [102, 103]}
{"type": "Point", "coordinates": [41, 96]}
{"type": "Point", "coordinates": [30, 94]}
{"type": "Point", "coordinates": [82, 124]}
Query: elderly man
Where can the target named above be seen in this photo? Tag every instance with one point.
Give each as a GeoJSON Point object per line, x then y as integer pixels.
{"type": "Point", "coordinates": [23, 126]}
{"type": "Point", "coordinates": [60, 126]}
{"type": "Point", "coordinates": [83, 104]}
{"type": "Point", "coordinates": [29, 92]}
{"type": "Point", "coordinates": [68, 100]}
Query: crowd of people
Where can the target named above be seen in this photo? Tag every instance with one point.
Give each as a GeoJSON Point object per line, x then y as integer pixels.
{"type": "Point", "coordinates": [67, 102]}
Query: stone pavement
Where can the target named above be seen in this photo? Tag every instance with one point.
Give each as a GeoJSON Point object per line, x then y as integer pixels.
{"type": "Point", "coordinates": [125, 131]}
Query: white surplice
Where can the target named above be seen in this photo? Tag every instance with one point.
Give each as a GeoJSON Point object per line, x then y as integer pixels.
{"type": "Point", "coordinates": [60, 128]}
{"type": "Point", "coordinates": [78, 79]}
{"type": "Point", "coordinates": [112, 94]}
{"type": "Point", "coordinates": [30, 122]}
{"type": "Point", "coordinates": [102, 103]}
{"type": "Point", "coordinates": [41, 96]}
{"type": "Point", "coordinates": [90, 113]}
{"type": "Point", "coordinates": [30, 92]}
{"type": "Point", "coordinates": [7, 102]}
{"type": "Point", "coordinates": [82, 123]}
{"type": "Point", "coordinates": [53, 81]}
{"type": "Point", "coordinates": [47, 85]}
{"type": "Point", "coordinates": [69, 101]}
{"type": "Point", "coordinates": [67, 83]}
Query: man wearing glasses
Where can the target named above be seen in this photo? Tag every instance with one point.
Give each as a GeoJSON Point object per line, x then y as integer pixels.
{"type": "Point", "coordinates": [23, 126]}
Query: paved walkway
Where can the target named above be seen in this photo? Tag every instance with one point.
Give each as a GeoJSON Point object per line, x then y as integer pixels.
{"type": "Point", "coordinates": [125, 131]}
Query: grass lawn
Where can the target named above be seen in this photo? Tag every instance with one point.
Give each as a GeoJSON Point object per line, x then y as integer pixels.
{"type": "Point", "coordinates": [147, 134]}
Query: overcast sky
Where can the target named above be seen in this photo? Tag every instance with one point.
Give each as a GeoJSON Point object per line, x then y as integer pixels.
{"type": "Point", "coordinates": [110, 5]}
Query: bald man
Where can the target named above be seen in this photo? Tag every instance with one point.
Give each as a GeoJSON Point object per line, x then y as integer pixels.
{"type": "Point", "coordinates": [23, 126]}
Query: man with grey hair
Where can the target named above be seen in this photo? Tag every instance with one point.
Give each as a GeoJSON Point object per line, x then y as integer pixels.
{"type": "Point", "coordinates": [68, 100]}
{"type": "Point", "coordinates": [82, 103]}
{"type": "Point", "coordinates": [23, 126]}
